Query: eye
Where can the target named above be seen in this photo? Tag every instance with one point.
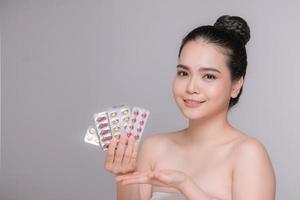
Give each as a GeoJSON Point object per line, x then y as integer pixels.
{"type": "Point", "coordinates": [210, 76]}
{"type": "Point", "coordinates": [182, 73]}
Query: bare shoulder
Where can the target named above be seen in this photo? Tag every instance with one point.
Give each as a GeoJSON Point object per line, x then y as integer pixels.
{"type": "Point", "coordinates": [249, 146]}
{"type": "Point", "coordinates": [253, 173]}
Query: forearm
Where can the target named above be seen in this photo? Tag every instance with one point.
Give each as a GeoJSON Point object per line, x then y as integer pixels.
{"type": "Point", "coordinates": [127, 192]}
{"type": "Point", "coordinates": [192, 192]}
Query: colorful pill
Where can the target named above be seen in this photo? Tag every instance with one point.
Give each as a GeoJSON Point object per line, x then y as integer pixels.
{"type": "Point", "coordinates": [133, 120]}
{"type": "Point", "coordinates": [125, 119]}
{"type": "Point", "coordinates": [125, 125]}
{"type": "Point", "coordinates": [115, 121]}
{"type": "Point", "coordinates": [131, 127]}
{"type": "Point", "coordinates": [103, 132]}
{"type": "Point", "coordinates": [142, 123]}
{"type": "Point", "coordinates": [124, 112]}
{"type": "Point", "coordinates": [90, 138]}
{"type": "Point", "coordinates": [136, 137]}
{"type": "Point", "coordinates": [144, 115]}
{"type": "Point", "coordinates": [129, 134]}
{"type": "Point", "coordinates": [103, 125]}
{"type": "Point", "coordinates": [100, 119]}
{"type": "Point", "coordinates": [107, 138]}
{"type": "Point", "coordinates": [92, 131]}
{"type": "Point", "coordinates": [139, 129]}
{"type": "Point", "coordinates": [113, 114]}
{"type": "Point", "coordinates": [136, 112]}
{"type": "Point", "coordinates": [116, 128]}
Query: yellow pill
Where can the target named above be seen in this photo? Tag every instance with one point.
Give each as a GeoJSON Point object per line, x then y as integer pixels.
{"type": "Point", "coordinates": [125, 112]}
{"type": "Point", "coordinates": [90, 138]}
{"type": "Point", "coordinates": [113, 114]}
{"type": "Point", "coordinates": [115, 121]}
{"type": "Point", "coordinates": [92, 131]}
{"type": "Point", "coordinates": [116, 128]}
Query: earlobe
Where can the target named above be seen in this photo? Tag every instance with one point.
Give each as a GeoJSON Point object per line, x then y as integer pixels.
{"type": "Point", "coordinates": [237, 87]}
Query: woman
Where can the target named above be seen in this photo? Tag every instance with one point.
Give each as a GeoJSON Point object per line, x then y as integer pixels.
{"type": "Point", "coordinates": [210, 159]}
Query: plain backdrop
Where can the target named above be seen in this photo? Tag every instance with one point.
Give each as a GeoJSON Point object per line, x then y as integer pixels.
{"type": "Point", "coordinates": [62, 61]}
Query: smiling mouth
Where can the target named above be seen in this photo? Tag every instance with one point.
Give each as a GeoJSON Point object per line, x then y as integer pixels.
{"type": "Point", "coordinates": [192, 103]}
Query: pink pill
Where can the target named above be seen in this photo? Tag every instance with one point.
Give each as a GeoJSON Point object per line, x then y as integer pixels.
{"type": "Point", "coordinates": [129, 134]}
{"type": "Point", "coordinates": [136, 137]}
{"type": "Point", "coordinates": [136, 112]}
{"type": "Point", "coordinates": [100, 119]}
{"type": "Point", "coordinates": [144, 115]}
{"type": "Point", "coordinates": [131, 127]}
{"type": "Point", "coordinates": [142, 123]}
{"type": "Point", "coordinates": [103, 132]}
{"type": "Point", "coordinates": [139, 129]}
{"type": "Point", "coordinates": [107, 138]}
{"type": "Point", "coordinates": [133, 120]}
{"type": "Point", "coordinates": [103, 125]}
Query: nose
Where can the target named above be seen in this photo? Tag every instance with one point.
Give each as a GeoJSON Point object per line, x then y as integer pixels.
{"type": "Point", "coordinates": [192, 86]}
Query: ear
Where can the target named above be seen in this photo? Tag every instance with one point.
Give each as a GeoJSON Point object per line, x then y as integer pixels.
{"type": "Point", "coordinates": [236, 87]}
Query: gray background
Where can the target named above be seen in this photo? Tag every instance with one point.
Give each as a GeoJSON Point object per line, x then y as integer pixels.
{"type": "Point", "coordinates": [62, 61]}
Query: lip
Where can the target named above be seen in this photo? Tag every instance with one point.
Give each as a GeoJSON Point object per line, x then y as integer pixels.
{"type": "Point", "coordinates": [192, 103]}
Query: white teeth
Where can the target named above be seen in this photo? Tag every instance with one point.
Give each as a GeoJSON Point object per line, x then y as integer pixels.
{"type": "Point", "coordinates": [194, 100]}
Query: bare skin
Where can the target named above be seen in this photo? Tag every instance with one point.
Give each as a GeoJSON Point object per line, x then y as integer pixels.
{"type": "Point", "coordinates": [210, 159]}
{"type": "Point", "coordinates": [212, 168]}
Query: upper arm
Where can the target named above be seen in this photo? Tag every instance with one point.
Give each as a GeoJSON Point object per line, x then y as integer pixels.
{"type": "Point", "coordinates": [253, 175]}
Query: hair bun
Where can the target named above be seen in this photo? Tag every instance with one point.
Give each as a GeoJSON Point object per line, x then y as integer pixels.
{"type": "Point", "coordinates": [236, 24]}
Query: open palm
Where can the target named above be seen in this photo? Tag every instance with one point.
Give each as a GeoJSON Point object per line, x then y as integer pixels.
{"type": "Point", "coordinates": [164, 178]}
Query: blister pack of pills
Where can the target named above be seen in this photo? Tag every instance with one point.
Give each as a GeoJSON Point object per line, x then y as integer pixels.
{"type": "Point", "coordinates": [118, 118]}
{"type": "Point", "coordinates": [136, 125]}
{"type": "Point", "coordinates": [103, 129]}
{"type": "Point", "coordinates": [91, 136]}
{"type": "Point", "coordinates": [113, 122]}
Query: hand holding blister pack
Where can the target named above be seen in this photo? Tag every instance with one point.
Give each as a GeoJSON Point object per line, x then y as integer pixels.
{"type": "Point", "coordinates": [115, 121]}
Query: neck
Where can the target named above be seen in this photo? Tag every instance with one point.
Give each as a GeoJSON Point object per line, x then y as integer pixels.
{"type": "Point", "coordinates": [209, 131]}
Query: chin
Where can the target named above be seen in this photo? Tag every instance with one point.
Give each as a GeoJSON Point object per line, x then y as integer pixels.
{"type": "Point", "coordinates": [191, 113]}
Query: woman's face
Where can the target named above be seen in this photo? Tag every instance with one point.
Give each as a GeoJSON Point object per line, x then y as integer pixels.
{"type": "Point", "coordinates": [202, 86]}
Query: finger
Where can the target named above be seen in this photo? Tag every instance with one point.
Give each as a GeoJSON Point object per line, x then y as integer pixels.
{"type": "Point", "coordinates": [110, 154]}
{"type": "Point", "coordinates": [134, 154]}
{"type": "Point", "coordinates": [120, 149]}
{"type": "Point", "coordinates": [125, 176]}
{"type": "Point", "coordinates": [140, 179]}
{"type": "Point", "coordinates": [129, 150]}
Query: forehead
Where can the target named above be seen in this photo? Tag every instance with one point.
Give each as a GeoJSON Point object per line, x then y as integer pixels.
{"type": "Point", "coordinates": [199, 53]}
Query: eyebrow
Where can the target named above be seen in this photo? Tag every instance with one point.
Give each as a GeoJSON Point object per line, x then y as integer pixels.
{"type": "Point", "coordinates": [201, 69]}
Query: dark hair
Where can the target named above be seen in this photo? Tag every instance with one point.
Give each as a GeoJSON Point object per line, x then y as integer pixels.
{"type": "Point", "coordinates": [232, 34]}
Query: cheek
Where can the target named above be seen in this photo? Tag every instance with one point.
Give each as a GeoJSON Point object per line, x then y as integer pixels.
{"type": "Point", "coordinates": [177, 87]}
{"type": "Point", "coordinates": [219, 91]}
